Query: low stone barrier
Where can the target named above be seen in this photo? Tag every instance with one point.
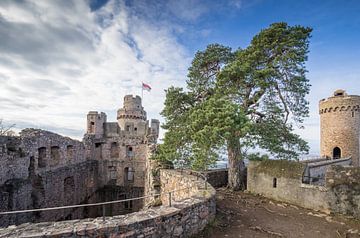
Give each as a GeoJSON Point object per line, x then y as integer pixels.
{"type": "Point", "coordinates": [282, 180]}
{"type": "Point", "coordinates": [217, 177]}
{"type": "Point", "coordinates": [192, 208]}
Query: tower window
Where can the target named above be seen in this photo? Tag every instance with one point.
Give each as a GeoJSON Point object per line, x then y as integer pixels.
{"type": "Point", "coordinates": [336, 153]}
{"type": "Point", "coordinates": [129, 151]}
{"type": "Point", "coordinates": [128, 128]}
{"type": "Point", "coordinates": [129, 174]}
{"type": "Point", "coordinates": [352, 114]}
{"type": "Point", "coordinates": [92, 127]}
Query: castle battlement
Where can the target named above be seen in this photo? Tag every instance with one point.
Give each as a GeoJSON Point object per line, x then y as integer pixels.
{"type": "Point", "coordinates": [340, 102]}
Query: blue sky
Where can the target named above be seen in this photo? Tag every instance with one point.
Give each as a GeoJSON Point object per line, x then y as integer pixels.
{"type": "Point", "coordinates": [61, 59]}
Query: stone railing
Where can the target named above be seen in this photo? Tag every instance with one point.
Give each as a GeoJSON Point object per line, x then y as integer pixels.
{"type": "Point", "coordinates": [192, 208]}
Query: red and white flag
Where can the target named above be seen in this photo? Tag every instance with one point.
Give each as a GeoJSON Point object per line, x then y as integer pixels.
{"type": "Point", "coordinates": [146, 87]}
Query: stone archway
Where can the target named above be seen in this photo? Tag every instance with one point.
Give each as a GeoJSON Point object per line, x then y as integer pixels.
{"type": "Point", "coordinates": [336, 153]}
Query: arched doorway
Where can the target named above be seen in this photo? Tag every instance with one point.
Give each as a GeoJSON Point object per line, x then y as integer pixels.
{"type": "Point", "coordinates": [336, 153]}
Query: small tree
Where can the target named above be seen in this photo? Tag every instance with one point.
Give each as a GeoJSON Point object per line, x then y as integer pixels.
{"type": "Point", "coordinates": [6, 130]}
{"type": "Point", "coordinates": [244, 99]}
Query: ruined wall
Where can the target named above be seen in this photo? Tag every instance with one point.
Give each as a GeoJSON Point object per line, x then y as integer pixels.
{"type": "Point", "coordinates": [340, 125]}
{"type": "Point", "coordinates": [43, 169]}
{"type": "Point", "coordinates": [13, 163]}
{"type": "Point", "coordinates": [282, 180]}
{"type": "Point", "coordinates": [184, 218]}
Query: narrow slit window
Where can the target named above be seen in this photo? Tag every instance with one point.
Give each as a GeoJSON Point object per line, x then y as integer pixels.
{"type": "Point", "coordinates": [274, 182]}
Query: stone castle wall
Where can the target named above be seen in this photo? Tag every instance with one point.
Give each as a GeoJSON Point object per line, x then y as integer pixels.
{"type": "Point", "coordinates": [340, 125]}
{"type": "Point", "coordinates": [42, 169]}
{"type": "Point", "coordinates": [287, 175]}
{"type": "Point", "coordinates": [185, 218]}
{"type": "Point", "coordinates": [282, 180]}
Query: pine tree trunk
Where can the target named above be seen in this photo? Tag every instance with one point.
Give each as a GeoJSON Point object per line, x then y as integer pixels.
{"type": "Point", "coordinates": [236, 172]}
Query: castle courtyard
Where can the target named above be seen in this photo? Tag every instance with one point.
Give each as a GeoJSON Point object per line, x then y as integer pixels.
{"type": "Point", "coordinates": [245, 215]}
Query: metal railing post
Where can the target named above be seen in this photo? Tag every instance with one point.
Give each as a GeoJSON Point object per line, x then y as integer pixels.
{"type": "Point", "coordinates": [169, 199]}
{"type": "Point", "coordinates": [103, 211]}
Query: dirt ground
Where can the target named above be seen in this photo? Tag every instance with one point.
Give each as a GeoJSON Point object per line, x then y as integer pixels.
{"type": "Point", "coordinates": [241, 214]}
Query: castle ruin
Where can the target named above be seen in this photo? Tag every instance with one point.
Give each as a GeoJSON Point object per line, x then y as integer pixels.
{"type": "Point", "coordinates": [41, 169]}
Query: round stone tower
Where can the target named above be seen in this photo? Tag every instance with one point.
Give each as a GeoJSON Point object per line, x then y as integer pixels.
{"type": "Point", "coordinates": [131, 114]}
{"type": "Point", "coordinates": [340, 126]}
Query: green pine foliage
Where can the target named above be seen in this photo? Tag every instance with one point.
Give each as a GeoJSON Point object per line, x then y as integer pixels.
{"type": "Point", "coordinates": [247, 98]}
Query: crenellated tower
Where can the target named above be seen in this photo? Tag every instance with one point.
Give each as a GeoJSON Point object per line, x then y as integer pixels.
{"type": "Point", "coordinates": [132, 116]}
{"type": "Point", "coordinates": [340, 126]}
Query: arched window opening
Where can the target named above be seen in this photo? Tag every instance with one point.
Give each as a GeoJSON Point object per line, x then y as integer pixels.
{"type": "Point", "coordinates": [55, 154]}
{"type": "Point", "coordinates": [92, 127]}
{"type": "Point", "coordinates": [31, 168]}
{"type": "Point", "coordinates": [129, 174]}
{"type": "Point", "coordinates": [69, 151]}
{"type": "Point", "coordinates": [128, 128]}
{"type": "Point", "coordinates": [69, 190]}
{"type": "Point", "coordinates": [129, 151]}
{"type": "Point", "coordinates": [42, 157]}
{"type": "Point", "coordinates": [114, 150]}
{"type": "Point", "coordinates": [336, 153]}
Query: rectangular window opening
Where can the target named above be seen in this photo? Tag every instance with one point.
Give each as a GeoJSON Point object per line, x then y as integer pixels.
{"type": "Point", "coordinates": [274, 182]}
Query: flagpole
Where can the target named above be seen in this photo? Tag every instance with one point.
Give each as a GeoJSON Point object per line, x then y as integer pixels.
{"type": "Point", "coordinates": [142, 90]}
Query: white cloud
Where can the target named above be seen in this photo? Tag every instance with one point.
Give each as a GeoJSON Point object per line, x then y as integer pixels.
{"type": "Point", "coordinates": [59, 60]}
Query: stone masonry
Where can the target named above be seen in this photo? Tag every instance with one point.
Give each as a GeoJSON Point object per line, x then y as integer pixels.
{"type": "Point", "coordinates": [42, 169]}
{"type": "Point", "coordinates": [283, 181]}
{"type": "Point", "coordinates": [185, 218]}
{"type": "Point", "coordinates": [340, 126]}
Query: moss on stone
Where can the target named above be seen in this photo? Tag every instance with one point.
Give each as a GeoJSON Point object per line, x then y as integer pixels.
{"type": "Point", "coordinates": [280, 168]}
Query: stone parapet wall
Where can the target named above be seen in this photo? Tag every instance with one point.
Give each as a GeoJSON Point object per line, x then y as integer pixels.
{"type": "Point", "coordinates": [217, 177]}
{"type": "Point", "coordinates": [282, 181]}
{"type": "Point", "coordinates": [185, 218]}
{"type": "Point", "coordinates": [182, 184]}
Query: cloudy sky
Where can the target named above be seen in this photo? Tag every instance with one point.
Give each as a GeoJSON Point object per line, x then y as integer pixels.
{"type": "Point", "coordinates": [61, 59]}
